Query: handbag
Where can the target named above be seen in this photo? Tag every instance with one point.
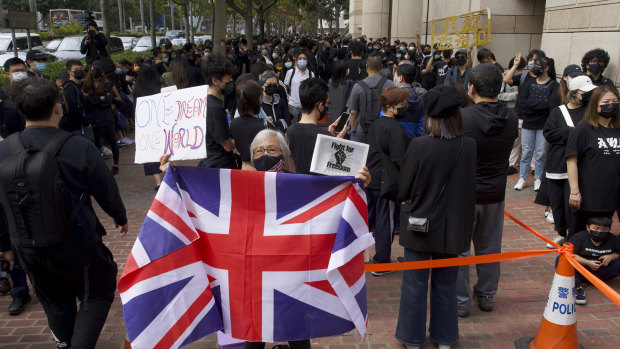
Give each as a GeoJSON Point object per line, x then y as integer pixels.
{"type": "Point", "coordinates": [421, 225]}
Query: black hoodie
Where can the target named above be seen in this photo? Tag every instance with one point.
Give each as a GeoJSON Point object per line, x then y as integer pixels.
{"type": "Point", "coordinates": [495, 128]}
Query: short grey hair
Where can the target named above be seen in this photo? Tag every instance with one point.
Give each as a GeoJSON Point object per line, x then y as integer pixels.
{"type": "Point", "coordinates": [289, 164]}
{"type": "Point", "coordinates": [268, 74]}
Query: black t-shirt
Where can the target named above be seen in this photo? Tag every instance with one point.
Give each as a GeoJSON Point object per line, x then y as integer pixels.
{"type": "Point", "coordinates": [441, 68]}
{"type": "Point", "coordinates": [588, 250]}
{"type": "Point", "coordinates": [356, 69]}
{"type": "Point", "coordinates": [243, 130]}
{"type": "Point", "coordinates": [217, 132]}
{"type": "Point", "coordinates": [598, 167]}
{"type": "Point", "coordinates": [242, 59]}
{"type": "Point", "coordinates": [301, 140]}
{"type": "Point", "coordinates": [385, 136]}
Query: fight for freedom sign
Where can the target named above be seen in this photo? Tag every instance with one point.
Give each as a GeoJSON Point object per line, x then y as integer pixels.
{"type": "Point", "coordinates": [264, 256]}
{"type": "Point", "coordinates": [171, 122]}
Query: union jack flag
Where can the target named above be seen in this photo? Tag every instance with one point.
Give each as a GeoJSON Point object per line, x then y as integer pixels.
{"type": "Point", "coordinates": [263, 256]}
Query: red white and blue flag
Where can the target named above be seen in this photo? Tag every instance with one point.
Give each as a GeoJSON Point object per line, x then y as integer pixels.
{"type": "Point", "coordinates": [264, 256]}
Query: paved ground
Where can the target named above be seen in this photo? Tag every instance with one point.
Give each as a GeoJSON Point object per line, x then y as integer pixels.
{"type": "Point", "coordinates": [519, 305]}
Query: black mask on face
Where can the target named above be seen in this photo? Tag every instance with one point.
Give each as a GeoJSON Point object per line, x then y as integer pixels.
{"type": "Point", "coordinates": [97, 73]}
{"type": "Point", "coordinates": [78, 74]}
{"type": "Point", "coordinates": [598, 236]}
{"type": "Point", "coordinates": [536, 70]}
{"type": "Point", "coordinates": [461, 60]}
{"type": "Point", "coordinates": [229, 88]}
{"type": "Point", "coordinates": [609, 110]}
{"type": "Point", "coordinates": [585, 97]}
{"type": "Point", "coordinates": [595, 68]}
{"type": "Point", "coordinates": [270, 90]}
{"type": "Point", "coordinates": [400, 112]}
{"type": "Point", "coordinates": [268, 163]}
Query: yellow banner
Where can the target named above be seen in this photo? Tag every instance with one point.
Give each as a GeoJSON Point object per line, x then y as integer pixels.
{"type": "Point", "coordinates": [465, 30]}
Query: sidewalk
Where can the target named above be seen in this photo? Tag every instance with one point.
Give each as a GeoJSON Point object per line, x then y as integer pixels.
{"type": "Point", "coordinates": [523, 290]}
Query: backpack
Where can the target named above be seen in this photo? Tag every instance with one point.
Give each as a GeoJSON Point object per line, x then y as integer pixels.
{"type": "Point", "coordinates": [34, 197]}
{"type": "Point", "coordinates": [370, 103]}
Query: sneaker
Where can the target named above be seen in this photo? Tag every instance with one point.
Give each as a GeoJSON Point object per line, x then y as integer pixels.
{"type": "Point", "coordinates": [558, 240]}
{"type": "Point", "coordinates": [115, 170]}
{"type": "Point", "coordinates": [107, 153]}
{"type": "Point", "coordinates": [400, 259]}
{"type": "Point", "coordinates": [536, 185]}
{"type": "Point", "coordinates": [511, 170]}
{"type": "Point", "coordinates": [462, 312]}
{"type": "Point", "coordinates": [18, 305]}
{"type": "Point", "coordinates": [126, 140]}
{"type": "Point", "coordinates": [485, 303]}
{"type": "Point", "coordinates": [520, 184]}
{"type": "Point", "coordinates": [581, 295]}
{"type": "Point", "coordinates": [382, 272]}
{"type": "Point", "coordinates": [549, 216]}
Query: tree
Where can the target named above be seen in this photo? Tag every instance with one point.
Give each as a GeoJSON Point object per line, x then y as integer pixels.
{"type": "Point", "coordinates": [261, 8]}
{"type": "Point", "coordinates": [245, 11]}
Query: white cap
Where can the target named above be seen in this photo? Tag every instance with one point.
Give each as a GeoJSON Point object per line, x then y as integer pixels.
{"type": "Point", "coordinates": [582, 83]}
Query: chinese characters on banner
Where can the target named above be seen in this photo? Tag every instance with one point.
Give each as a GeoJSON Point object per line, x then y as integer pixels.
{"type": "Point", "coordinates": [465, 30]}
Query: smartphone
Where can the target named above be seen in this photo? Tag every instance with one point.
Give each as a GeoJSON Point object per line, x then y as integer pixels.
{"type": "Point", "coordinates": [344, 118]}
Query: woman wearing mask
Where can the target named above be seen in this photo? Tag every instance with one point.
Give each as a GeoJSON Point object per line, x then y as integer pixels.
{"type": "Point", "coordinates": [388, 142]}
{"type": "Point", "coordinates": [339, 90]}
{"type": "Point", "coordinates": [593, 162]}
{"type": "Point", "coordinates": [274, 106]}
{"type": "Point", "coordinates": [289, 62]}
{"type": "Point", "coordinates": [175, 76]}
{"type": "Point", "coordinates": [438, 180]}
{"type": "Point", "coordinates": [244, 128]}
{"type": "Point", "coordinates": [100, 96]}
{"type": "Point", "coordinates": [534, 109]}
{"type": "Point", "coordinates": [558, 128]}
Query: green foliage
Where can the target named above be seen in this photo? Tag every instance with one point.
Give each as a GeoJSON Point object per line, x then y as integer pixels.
{"type": "Point", "coordinates": [66, 30]}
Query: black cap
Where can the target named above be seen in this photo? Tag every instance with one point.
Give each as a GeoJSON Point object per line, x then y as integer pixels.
{"type": "Point", "coordinates": [441, 101]}
{"type": "Point", "coordinates": [573, 70]}
{"type": "Point", "coordinates": [63, 75]}
{"type": "Point", "coordinates": [35, 55]}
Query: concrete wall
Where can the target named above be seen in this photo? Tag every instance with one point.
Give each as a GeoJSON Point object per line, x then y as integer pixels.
{"type": "Point", "coordinates": [355, 17]}
{"type": "Point", "coordinates": [572, 27]}
{"type": "Point", "coordinates": [406, 18]}
{"type": "Point", "coordinates": [375, 18]}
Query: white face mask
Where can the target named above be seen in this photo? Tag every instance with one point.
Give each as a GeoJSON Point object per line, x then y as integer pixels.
{"type": "Point", "coordinates": [19, 75]}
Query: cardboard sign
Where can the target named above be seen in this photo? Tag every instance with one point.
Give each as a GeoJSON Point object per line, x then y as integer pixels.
{"type": "Point", "coordinates": [172, 122]}
{"type": "Point", "coordinates": [338, 157]}
{"type": "Point", "coordinates": [466, 30]}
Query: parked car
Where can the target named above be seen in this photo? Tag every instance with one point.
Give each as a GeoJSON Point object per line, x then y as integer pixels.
{"type": "Point", "coordinates": [144, 43]}
{"type": "Point", "coordinates": [175, 34]}
{"type": "Point", "coordinates": [69, 48]}
{"type": "Point", "coordinates": [202, 39]}
{"type": "Point", "coordinates": [129, 42]}
{"type": "Point", "coordinates": [6, 42]}
{"type": "Point", "coordinates": [178, 41]}
{"type": "Point", "coordinates": [53, 45]}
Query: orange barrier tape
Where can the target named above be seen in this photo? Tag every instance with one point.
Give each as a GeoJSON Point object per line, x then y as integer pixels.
{"type": "Point", "coordinates": [601, 285]}
{"type": "Point", "coordinates": [526, 227]}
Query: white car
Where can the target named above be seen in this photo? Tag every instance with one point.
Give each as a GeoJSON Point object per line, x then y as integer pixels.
{"type": "Point", "coordinates": [128, 41]}
{"type": "Point", "coordinates": [178, 42]}
{"type": "Point", "coordinates": [6, 42]}
{"type": "Point", "coordinates": [4, 56]}
{"type": "Point", "coordinates": [69, 48]}
{"type": "Point", "coordinates": [202, 39]}
{"type": "Point", "coordinates": [144, 44]}
{"type": "Point", "coordinates": [53, 45]}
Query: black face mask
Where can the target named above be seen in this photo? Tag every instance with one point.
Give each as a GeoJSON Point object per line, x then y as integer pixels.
{"type": "Point", "coordinates": [78, 74]}
{"type": "Point", "coordinates": [268, 163]}
{"type": "Point", "coordinates": [229, 88]}
{"type": "Point", "coordinates": [270, 90]}
{"type": "Point", "coordinates": [585, 97]}
{"type": "Point", "coordinates": [609, 110]}
{"type": "Point", "coordinates": [537, 70]}
{"type": "Point", "coordinates": [400, 112]}
{"type": "Point", "coordinates": [599, 236]}
{"type": "Point", "coordinates": [461, 61]}
{"type": "Point", "coordinates": [97, 73]}
{"type": "Point", "coordinates": [595, 68]}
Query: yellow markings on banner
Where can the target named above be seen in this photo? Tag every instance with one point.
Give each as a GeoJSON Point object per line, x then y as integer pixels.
{"type": "Point", "coordinates": [464, 30]}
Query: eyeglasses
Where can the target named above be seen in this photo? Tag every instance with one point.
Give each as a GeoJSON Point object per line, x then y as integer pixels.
{"type": "Point", "coordinates": [269, 151]}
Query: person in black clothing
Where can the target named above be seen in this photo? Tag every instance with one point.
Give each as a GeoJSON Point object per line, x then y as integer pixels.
{"type": "Point", "coordinates": [244, 128]}
{"type": "Point", "coordinates": [74, 109]}
{"type": "Point", "coordinates": [388, 142]}
{"type": "Point", "coordinates": [10, 119]}
{"type": "Point", "coordinates": [100, 96]}
{"type": "Point", "coordinates": [58, 273]}
{"type": "Point", "coordinates": [97, 48]}
{"type": "Point", "coordinates": [559, 126]}
{"type": "Point", "coordinates": [220, 145]}
{"type": "Point", "coordinates": [495, 128]}
{"type": "Point", "coordinates": [314, 97]}
{"type": "Point", "coordinates": [592, 162]}
{"type": "Point", "coordinates": [193, 72]}
{"type": "Point", "coordinates": [594, 63]}
{"type": "Point", "coordinates": [37, 63]}
{"type": "Point", "coordinates": [486, 56]}
{"type": "Point", "coordinates": [357, 68]}
{"type": "Point", "coordinates": [274, 104]}
{"type": "Point", "coordinates": [161, 66]}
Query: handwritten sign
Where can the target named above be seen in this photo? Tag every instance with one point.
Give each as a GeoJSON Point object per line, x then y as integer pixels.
{"type": "Point", "coordinates": [338, 157]}
{"type": "Point", "coordinates": [172, 122]}
{"type": "Point", "coordinates": [466, 30]}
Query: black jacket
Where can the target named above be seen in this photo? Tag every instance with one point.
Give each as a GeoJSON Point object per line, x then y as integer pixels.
{"type": "Point", "coordinates": [422, 174]}
{"type": "Point", "coordinates": [74, 107]}
{"type": "Point", "coordinates": [99, 111]}
{"type": "Point", "coordinates": [11, 120]}
{"type": "Point", "coordinates": [495, 128]}
{"type": "Point", "coordinates": [278, 110]}
{"type": "Point", "coordinates": [96, 51]}
{"type": "Point", "coordinates": [556, 133]}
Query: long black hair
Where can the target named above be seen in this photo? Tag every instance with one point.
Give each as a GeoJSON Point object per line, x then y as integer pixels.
{"type": "Point", "coordinates": [147, 82]}
{"type": "Point", "coordinates": [339, 73]}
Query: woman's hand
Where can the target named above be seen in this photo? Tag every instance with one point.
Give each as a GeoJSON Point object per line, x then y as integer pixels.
{"type": "Point", "coordinates": [364, 176]}
{"type": "Point", "coordinates": [164, 162]}
{"type": "Point", "coordinates": [332, 129]}
{"type": "Point", "coordinates": [575, 200]}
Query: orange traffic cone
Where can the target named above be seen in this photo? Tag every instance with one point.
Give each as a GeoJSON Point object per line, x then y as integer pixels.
{"type": "Point", "coordinates": [558, 328]}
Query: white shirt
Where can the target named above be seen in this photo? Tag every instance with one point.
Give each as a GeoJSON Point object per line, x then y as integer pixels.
{"type": "Point", "coordinates": [294, 84]}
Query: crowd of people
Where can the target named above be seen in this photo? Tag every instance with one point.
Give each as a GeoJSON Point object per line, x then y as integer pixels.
{"type": "Point", "coordinates": [442, 133]}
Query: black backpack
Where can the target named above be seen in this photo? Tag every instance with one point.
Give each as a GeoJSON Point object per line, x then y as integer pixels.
{"type": "Point", "coordinates": [370, 103]}
{"type": "Point", "coordinates": [35, 198]}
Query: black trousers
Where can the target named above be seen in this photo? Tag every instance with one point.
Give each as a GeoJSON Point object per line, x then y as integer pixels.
{"type": "Point", "coordinates": [109, 133]}
{"type": "Point", "coordinates": [302, 344]}
{"type": "Point", "coordinates": [559, 191]}
{"type": "Point", "coordinates": [58, 279]}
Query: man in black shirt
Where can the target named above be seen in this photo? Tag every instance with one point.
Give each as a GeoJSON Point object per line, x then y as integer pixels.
{"type": "Point", "coordinates": [59, 272]}
{"type": "Point", "coordinates": [495, 128]}
{"type": "Point", "coordinates": [314, 97]}
{"type": "Point", "coordinates": [74, 119]}
{"type": "Point", "coordinates": [220, 145]}
{"type": "Point", "coordinates": [97, 48]}
{"type": "Point", "coordinates": [357, 70]}
{"type": "Point", "coordinates": [594, 63]}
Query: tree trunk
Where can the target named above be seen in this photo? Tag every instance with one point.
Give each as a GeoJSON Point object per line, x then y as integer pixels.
{"type": "Point", "coordinates": [121, 16]}
{"type": "Point", "coordinates": [152, 20]}
{"type": "Point", "coordinates": [234, 17]}
{"type": "Point", "coordinates": [338, 11]}
{"type": "Point", "coordinates": [105, 13]}
{"type": "Point", "coordinates": [171, 15]}
{"type": "Point", "coordinates": [249, 24]}
{"type": "Point", "coordinates": [141, 16]}
{"type": "Point", "coordinates": [261, 22]}
{"type": "Point", "coordinates": [186, 17]}
{"type": "Point", "coordinates": [219, 26]}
